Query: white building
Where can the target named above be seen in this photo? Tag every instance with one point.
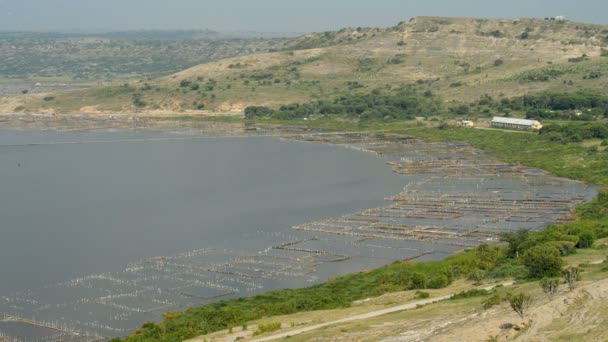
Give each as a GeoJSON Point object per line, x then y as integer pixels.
{"type": "Point", "coordinates": [500, 122]}
{"type": "Point", "coordinates": [466, 123]}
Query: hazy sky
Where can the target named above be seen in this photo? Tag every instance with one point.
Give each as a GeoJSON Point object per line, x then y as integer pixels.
{"type": "Point", "coordinates": [270, 15]}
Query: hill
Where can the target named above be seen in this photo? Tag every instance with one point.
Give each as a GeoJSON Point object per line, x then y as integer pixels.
{"type": "Point", "coordinates": [462, 59]}
{"type": "Point", "coordinates": [104, 57]}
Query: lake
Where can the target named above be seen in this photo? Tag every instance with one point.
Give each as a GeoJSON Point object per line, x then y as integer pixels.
{"type": "Point", "coordinates": [73, 209]}
{"type": "Point", "coordinates": [103, 231]}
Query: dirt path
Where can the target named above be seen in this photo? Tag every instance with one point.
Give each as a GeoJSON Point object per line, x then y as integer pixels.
{"type": "Point", "coordinates": [376, 313]}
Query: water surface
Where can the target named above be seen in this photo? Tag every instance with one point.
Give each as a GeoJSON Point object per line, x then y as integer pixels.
{"type": "Point", "coordinates": [76, 209]}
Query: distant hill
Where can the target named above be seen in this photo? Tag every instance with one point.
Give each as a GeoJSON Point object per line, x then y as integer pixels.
{"type": "Point", "coordinates": [104, 57]}
{"type": "Point", "coordinates": [461, 59]}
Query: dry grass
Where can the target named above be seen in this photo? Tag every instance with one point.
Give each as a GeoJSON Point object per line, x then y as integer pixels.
{"type": "Point", "coordinates": [443, 51]}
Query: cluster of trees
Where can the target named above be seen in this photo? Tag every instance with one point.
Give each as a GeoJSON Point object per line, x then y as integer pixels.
{"type": "Point", "coordinates": [562, 101]}
{"type": "Point", "coordinates": [566, 133]}
{"type": "Point", "coordinates": [558, 115]}
{"type": "Point", "coordinates": [404, 105]}
{"type": "Point", "coordinates": [561, 106]}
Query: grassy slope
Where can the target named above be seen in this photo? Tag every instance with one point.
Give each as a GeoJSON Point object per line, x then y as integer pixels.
{"type": "Point", "coordinates": [446, 320]}
{"type": "Point", "coordinates": [454, 57]}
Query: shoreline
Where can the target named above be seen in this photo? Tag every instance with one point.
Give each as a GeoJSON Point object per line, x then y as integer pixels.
{"type": "Point", "coordinates": [367, 142]}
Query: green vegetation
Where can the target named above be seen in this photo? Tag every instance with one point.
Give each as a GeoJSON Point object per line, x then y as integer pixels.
{"type": "Point", "coordinates": [543, 261]}
{"type": "Point", "coordinates": [268, 327]}
{"type": "Point", "coordinates": [340, 292]}
{"type": "Point", "coordinates": [405, 104]}
{"type": "Point", "coordinates": [571, 160]}
{"type": "Point", "coordinates": [520, 303]}
{"type": "Point", "coordinates": [292, 74]}
{"type": "Point", "coordinates": [550, 286]}
{"type": "Point", "coordinates": [470, 294]}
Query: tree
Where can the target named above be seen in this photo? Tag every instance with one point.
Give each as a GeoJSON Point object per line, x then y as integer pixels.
{"type": "Point", "coordinates": [419, 280]}
{"type": "Point", "coordinates": [514, 239]}
{"type": "Point", "coordinates": [520, 303]}
{"type": "Point", "coordinates": [550, 286]}
{"type": "Point", "coordinates": [543, 261]}
{"type": "Point", "coordinates": [570, 275]}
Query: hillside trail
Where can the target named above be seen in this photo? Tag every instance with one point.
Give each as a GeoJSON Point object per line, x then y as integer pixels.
{"type": "Point", "coordinates": [367, 315]}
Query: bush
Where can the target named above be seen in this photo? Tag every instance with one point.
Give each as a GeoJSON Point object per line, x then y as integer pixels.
{"type": "Point", "coordinates": [268, 327]}
{"type": "Point", "coordinates": [570, 275]}
{"type": "Point", "coordinates": [520, 303]}
{"type": "Point", "coordinates": [470, 294]}
{"type": "Point", "coordinates": [564, 247]}
{"type": "Point", "coordinates": [419, 280]}
{"type": "Point", "coordinates": [550, 286]}
{"type": "Point", "coordinates": [543, 261]}
{"type": "Point", "coordinates": [489, 302]}
{"type": "Point", "coordinates": [498, 62]}
{"type": "Point", "coordinates": [422, 295]}
{"type": "Point", "coordinates": [257, 111]}
{"type": "Point", "coordinates": [508, 269]}
{"type": "Point", "coordinates": [586, 239]}
{"type": "Point", "coordinates": [477, 276]}
{"type": "Point", "coordinates": [439, 282]}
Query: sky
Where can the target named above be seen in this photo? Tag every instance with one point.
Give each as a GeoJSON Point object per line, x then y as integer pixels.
{"type": "Point", "coordinates": [269, 15]}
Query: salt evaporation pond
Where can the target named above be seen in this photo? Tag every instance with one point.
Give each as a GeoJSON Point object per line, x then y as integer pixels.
{"type": "Point", "coordinates": [102, 231]}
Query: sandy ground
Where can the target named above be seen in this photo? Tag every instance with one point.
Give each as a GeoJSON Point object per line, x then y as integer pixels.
{"type": "Point", "coordinates": [368, 315]}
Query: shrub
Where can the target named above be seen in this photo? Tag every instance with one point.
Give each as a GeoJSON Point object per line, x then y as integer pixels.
{"type": "Point", "coordinates": [48, 98]}
{"type": "Point", "coordinates": [477, 276]}
{"type": "Point", "coordinates": [509, 269]}
{"type": "Point", "coordinates": [489, 302]}
{"type": "Point", "coordinates": [550, 286]}
{"type": "Point", "coordinates": [419, 280]}
{"type": "Point", "coordinates": [496, 34]}
{"type": "Point", "coordinates": [586, 239]}
{"type": "Point", "coordinates": [543, 261]}
{"type": "Point", "coordinates": [498, 62]}
{"type": "Point", "coordinates": [268, 327]}
{"type": "Point", "coordinates": [257, 111]}
{"type": "Point", "coordinates": [470, 294]}
{"type": "Point", "coordinates": [564, 247]}
{"type": "Point", "coordinates": [520, 303]}
{"type": "Point", "coordinates": [438, 282]}
{"type": "Point", "coordinates": [571, 275]}
{"type": "Point", "coordinates": [422, 295]}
